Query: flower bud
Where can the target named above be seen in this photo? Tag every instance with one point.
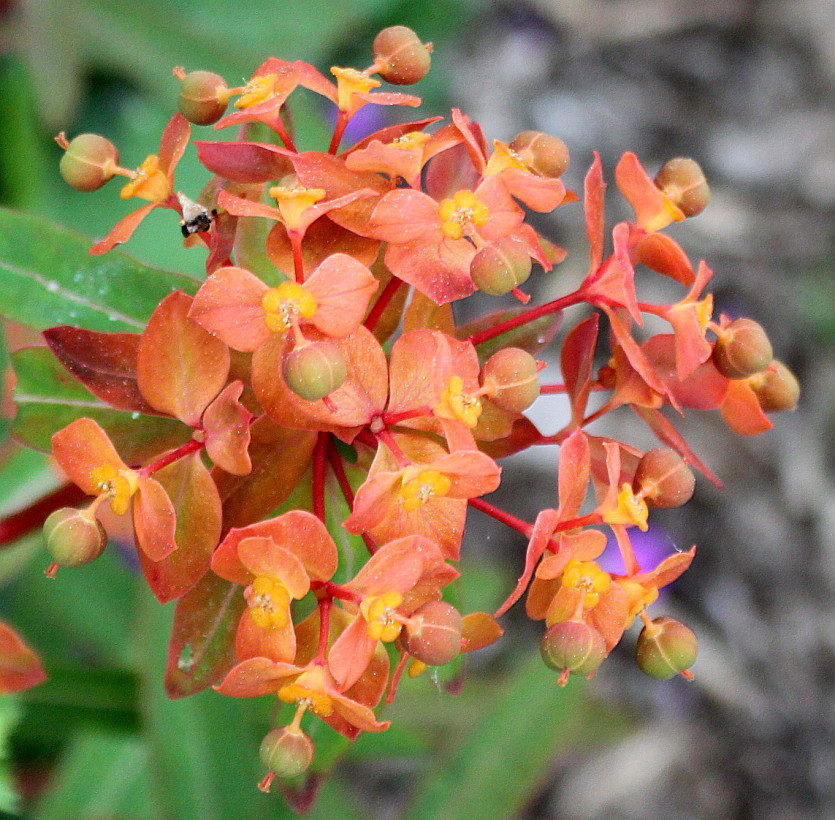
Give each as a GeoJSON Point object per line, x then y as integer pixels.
{"type": "Point", "coordinates": [543, 154]}
{"type": "Point", "coordinates": [315, 370]}
{"type": "Point", "coordinates": [199, 101]}
{"type": "Point", "coordinates": [665, 648]}
{"type": "Point", "coordinates": [511, 379]}
{"type": "Point", "coordinates": [400, 56]}
{"type": "Point", "coordinates": [776, 388]}
{"type": "Point", "coordinates": [73, 537]}
{"type": "Point", "coordinates": [287, 751]}
{"type": "Point", "coordinates": [573, 646]}
{"type": "Point", "coordinates": [434, 636]}
{"type": "Point", "coordinates": [88, 162]}
{"type": "Point", "coordinates": [742, 349]}
{"type": "Point", "coordinates": [663, 479]}
{"type": "Point", "coordinates": [683, 182]}
{"type": "Point", "coordinates": [500, 267]}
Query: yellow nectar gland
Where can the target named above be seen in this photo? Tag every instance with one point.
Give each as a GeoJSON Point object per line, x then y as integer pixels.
{"type": "Point", "coordinates": [118, 485]}
{"type": "Point", "coordinates": [702, 309]}
{"type": "Point", "coordinates": [638, 596]}
{"type": "Point", "coordinates": [285, 305]}
{"type": "Point", "coordinates": [456, 404]}
{"type": "Point", "coordinates": [502, 158]}
{"type": "Point", "coordinates": [349, 81]}
{"type": "Point", "coordinates": [255, 91]}
{"type": "Point", "coordinates": [380, 613]}
{"type": "Point", "coordinates": [294, 200]}
{"type": "Point", "coordinates": [411, 141]}
{"type": "Point", "coordinates": [268, 601]}
{"type": "Point", "coordinates": [464, 212]}
{"type": "Point", "coordinates": [428, 484]}
{"type": "Point", "coordinates": [309, 692]}
{"type": "Point", "coordinates": [631, 509]}
{"type": "Point", "coordinates": [588, 578]}
{"type": "Point", "coordinates": [147, 182]}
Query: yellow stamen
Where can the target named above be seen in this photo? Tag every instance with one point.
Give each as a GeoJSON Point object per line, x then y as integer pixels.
{"type": "Point", "coordinates": [379, 611]}
{"type": "Point", "coordinates": [268, 601]}
{"type": "Point", "coordinates": [147, 182]}
{"type": "Point", "coordinates": [587, 577]}
{"type": "Point", "coordinates": [427, 484]}
{"type": "Point", "coordinates": [256, 91]}
{"type": "Point", "coordinates": [416, 668]}
{"type": "Point", "coordinates": [118, 485]}
{"type": "Point", "coordinates": [294, 200]}
{"type": "Point", "coordinates": [456, 404]}
{"type": "Point", "coordinates": [631, 509]}
{"type": "Point", "coordinates": [285, 305]}
{"type": "Point", "coordinates": [349, 81]}
{"type": "Point", "coordinates": [464, 212]}
{"type": "Point", "coordinates": [308, 691]}
{"type": "Point", "coordinates": [668, 213]}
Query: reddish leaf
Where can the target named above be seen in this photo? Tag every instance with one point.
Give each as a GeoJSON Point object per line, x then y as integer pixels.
{"type": "Point", "coordinates": [226, 428]}
{"type": "Point", "coordinates": [280, 457]}
{"type": "Point", "coordinates": [202, 646]}
{"type": "Point", "coordinates": [249, 162]}
{"type": "Point", "coordinates": [20, 667]}
{"type": "Point", "coordinates": [105, 363]}
{"type": "Point", "coordinates": [664, 255]}
{"type": "Point", "coordinates": [741, 410]}
{"type": "Point", "coordinates": [197, 508]}
{"type": "Point", "coordinates": [595, 189]}
{"type": "Point", "coordinates": [577, 363]}
{"type": "Point", "coordinates": [479, 629]}
{"type": "Point", "coordinates": [181, 366]}
{"type": "Point", "coordinates": [574, 472]}
{"type": "Point", "coordinates": [154, 519]}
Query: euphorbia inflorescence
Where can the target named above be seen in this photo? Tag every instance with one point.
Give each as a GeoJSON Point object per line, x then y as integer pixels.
{"type": "Point", "coordinates": [336, 373]}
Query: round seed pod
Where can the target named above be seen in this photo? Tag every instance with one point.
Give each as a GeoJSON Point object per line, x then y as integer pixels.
{"type": "Point", "coordinates": [436, 637]}
{"type": "Point", "coordinates": [198, 101]}
{"type": "Point", "coordinates": [315, 370]}
{"type": "Point", "coordinates": [663, 479]}
{"type": "Point", "coordinates": [403, 58]}
{"type": "Point", "coordinates": [666, 648]}
{"type": "Point", "coordinates": [742, 349]}
{"type": "Point", "coordinates": [543, 154]}
{"type": "Point", "coordinates": [88, 162]}
{"type": "Point", "coordinates": [73, 538]}
{"type": "Point", "coordinates": [573, 646]}
{"type": "Point", "coordinates": [512, 379]}
{"type": "Point", "coordinates": [683, 183]}
{"type": "Point", "coordinates": [286, 751]}
{"type": "Point", "coordinates": [500, 267]}
{"type": "Point", "coordinates": [776, 387]}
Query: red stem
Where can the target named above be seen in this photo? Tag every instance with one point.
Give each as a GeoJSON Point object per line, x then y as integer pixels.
{"type": "Point", "coordinates": [382, 302]}
{"type": "Point", "coordinates": [335, 460]}
{"type": "Point", "coordinates": [17, 524]}
{"type": "Point", "coordinates": [298, 262]}
{"type": "Point", "coordinates": [324, 627]}
{"type": "Point", "coordinates": [319, 463]}
{"type": "Point", "coordinates": [339, 129]}
{"type": "Point", "coordinates": [500, 515]}
{"type": "Point", "coordinates": [523, 318]}
{"type": "Point", "coordinates": [278, 127]}
{"type": "Point", "coordinates": [169, 458]}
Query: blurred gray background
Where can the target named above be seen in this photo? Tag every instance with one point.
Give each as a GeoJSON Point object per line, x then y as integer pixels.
{"type": "Point", "coordinates": [745, 88]}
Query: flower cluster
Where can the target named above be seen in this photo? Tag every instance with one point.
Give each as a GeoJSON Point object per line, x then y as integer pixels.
{"type": "Point", "coordinates": [325, 372]}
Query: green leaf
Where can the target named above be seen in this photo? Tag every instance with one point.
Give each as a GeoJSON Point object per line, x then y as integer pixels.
{"type": "Point", "coordinates": [48, 398]}
{"type": "Point", "coordinates": [497, 769]}
{"type": "Point", "coordinates": [9, 717]}
{"type": "Point", "coordinates": [202, 647]}
{"type": "Point", "coordinates": [48, 279]}
{"type": "Point", "coordinates": [100, 775]}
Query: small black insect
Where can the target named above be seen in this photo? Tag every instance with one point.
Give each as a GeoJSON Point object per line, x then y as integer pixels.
{"type": "Point", "coordinates": [196, 218]}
